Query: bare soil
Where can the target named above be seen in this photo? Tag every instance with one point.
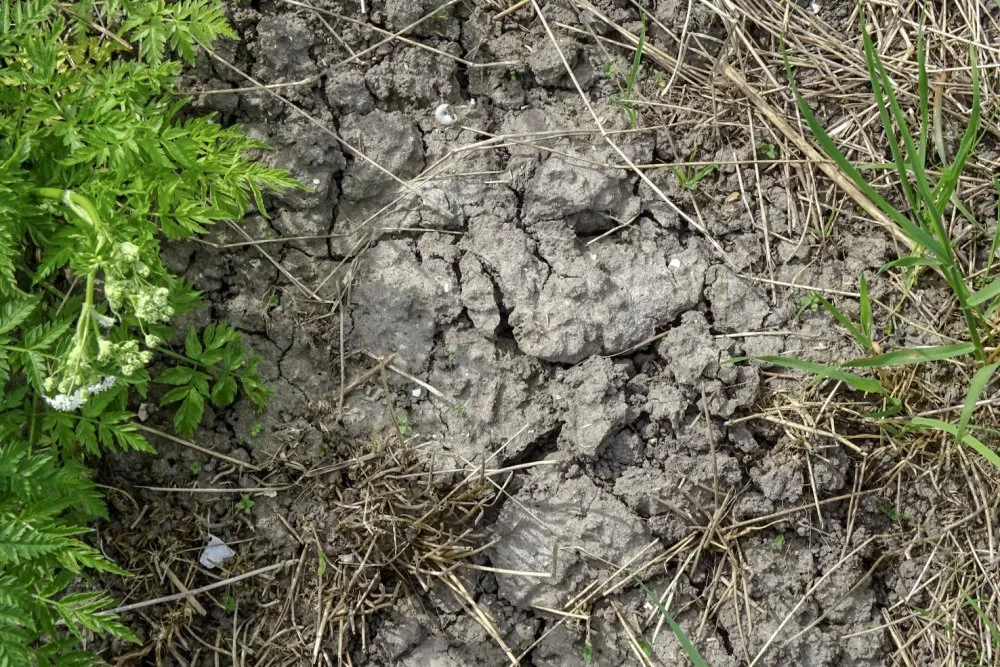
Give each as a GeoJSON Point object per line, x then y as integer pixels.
{"type": "Point", "coordinates": [505, 294]}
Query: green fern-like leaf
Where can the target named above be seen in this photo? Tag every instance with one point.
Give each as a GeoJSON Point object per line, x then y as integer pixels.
{"type": "Point", "coordinates": [21, 542]}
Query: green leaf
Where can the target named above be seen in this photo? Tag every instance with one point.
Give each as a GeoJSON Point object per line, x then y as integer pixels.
{"type": "Point", "coordinates": [926, 423]}
{"type": "Point", "coordinates": [16, 311]}
{"type": "Point", "coordinates": [911, 230]}
{"type": "Point", "coordinates": [174, 395]}
{"type": "Point", "coordinates": [913, 355]}
{"type": "Point", "coordinates": [844, 321]}
{"type": "Point", "coordinates": [994, 631]}
{"type": "Point", "coordinates": [177, 375]}
{"type": "Point", "coordinates": [985, 294]}
{"type": "Point", "coordinates": [867, 385]}
{"type": "Point", "coordinates": [189, 413]}
{"type": "Point", "coordinates": [908, 262]}
{"type": "Point", "coordinates": [692, 653]}
{"type": "Point", "coordinates": [233, 357]}
{"type": "Point", "coordinates": [224, 391]}
{"type": "Point", "coordinates": [976, 388]}
{"type": "Point", "coordinates": [192, 346]}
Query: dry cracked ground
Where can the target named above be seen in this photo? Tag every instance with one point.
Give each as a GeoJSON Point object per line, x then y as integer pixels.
{"type": "Point", "coordinates": [499, 335]}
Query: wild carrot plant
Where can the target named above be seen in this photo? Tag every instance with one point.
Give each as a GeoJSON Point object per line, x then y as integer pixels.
{"type": "Point", "coordinates": [97, 167]}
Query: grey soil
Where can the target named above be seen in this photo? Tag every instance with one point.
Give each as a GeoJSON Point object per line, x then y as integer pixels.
{"type": "Point", "coordinates": [524, 280]}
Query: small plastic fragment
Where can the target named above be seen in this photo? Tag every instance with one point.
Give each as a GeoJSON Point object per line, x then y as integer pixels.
{"type": "Point", "coordinates": [215, 553]}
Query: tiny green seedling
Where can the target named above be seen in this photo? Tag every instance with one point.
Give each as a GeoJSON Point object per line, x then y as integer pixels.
{"type": "Point", "coordinates": [646, 647]}
{"type": "Point", "coordinates": [273, 302]}
{"type": "Point", "coordinates": [625, 99]}
{"type": "Point", "coordinates": [246, 504]}
{"type": "Point", "coordinates": [256, 429]}
{"type": "Point", "coordinates": [195, 468]}
{"type": "Point", "coordinates": [779, 540]}
{"type": "Point", "coordinates": [608, 68]}
{"type": "Point", "coordinates": [770, 151]}
{"type": "Point", "coordinates": [587, 654]}
{"type": "Point", "coordinates": [403, 424]}
{"type": "Point", "coordinates": [321, 568]}
{"type": "Point", "coordinates": [661, 82]}
{"type": "Point", "coordinates": [691, 177]}
{"type": "Point", "coordinates": [807, 302]}
{"type": "Point", "coordinates": [458, 408]}
{"type": "Point", "coordinates": [229, 603]}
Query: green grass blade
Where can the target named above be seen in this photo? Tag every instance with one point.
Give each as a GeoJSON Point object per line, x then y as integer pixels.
{"type": "Point", "coordinates": [976, 388]}
{"type": "Point", "coordinates": [985, 294]}
{"type": "Point", "coordinates": [826, 143]}
{"type": "Point", "coordinates": [926, 202]}
{"type": "Point", "coordinates": [908, 262]}
{"type": "Point", "coordinates": [970, 138]}
{"type": "Point", "coordinates": [879, 82]}
{"type": "Point", "coordinates": [994, 632]}
{"type": "Point", "coordinates": [867, 385]}
{"type": "Point", "coordinates": [913, 355]}
{"type": "Point", "coordinates": [844, 321]}
{"type": "Point", "coordinates": [633, 70]}
{"type": "Point", "coordinates": [922, 95]}
{"type": "Point", "coordinates": [926, 423]}
{"type": "Point", "coordinates": [996, 231]}
{"type": "Point", "coordinates": [689, 649]}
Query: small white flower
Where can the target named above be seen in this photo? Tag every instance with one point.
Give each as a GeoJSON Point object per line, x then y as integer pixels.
{"type": "Point", "coordinates": [106, 383]}
{"type": "Point", "coordinates": [65, 402]}
{"type": "Point", "coordinates": [153, 340]}
{"type": "Point", "coordinates": [445, 114]}
{"type": "Point", "coordinates": [70, 402]}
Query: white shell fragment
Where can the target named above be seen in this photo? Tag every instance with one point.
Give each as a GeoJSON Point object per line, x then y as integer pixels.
{"type": "Point", "coordinates": [674, 263]}
{"type": "Point", "coordinates": [445, 114]}
{"type": "Point", "coordinates": [215, 553]}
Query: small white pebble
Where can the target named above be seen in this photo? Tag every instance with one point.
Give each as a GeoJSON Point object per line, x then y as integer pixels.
{"type": "Point", "coordinates": [415, 393]}
{"type": "Point", "coordinates": [315, 181]}
{"type": "Point", "coordinates": [815, 6]}
{"type": "Point", "coordinates": [445, 115]}
{"type": "Point", "coordinates": [674, 263]}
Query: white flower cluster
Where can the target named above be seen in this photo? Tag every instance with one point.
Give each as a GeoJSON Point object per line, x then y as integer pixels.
{"type": "Point", "coordinates": [114, 291]}
{"type": "Point", "coordinates": [130, 358]}
{"type": "Point", "coordinates": [153, 305]}
{"type": "Point", "coordinates": [127, 355]}
{"type": "Point", "coordinates": [127, 252]}
{"type": "Point", "coordinates": [70, 402]}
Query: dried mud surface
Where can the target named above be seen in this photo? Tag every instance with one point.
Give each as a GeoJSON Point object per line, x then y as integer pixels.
{"type": "Point", "coordinates": [522, 278]}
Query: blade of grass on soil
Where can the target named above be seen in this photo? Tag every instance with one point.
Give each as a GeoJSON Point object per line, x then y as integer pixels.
{"type": "Point", "coordinates": [689, 649]}
{"type": "Point", "coordinates": [926, 423]}
{"type": "Point", "coordinates": [913, 355]}
{"type": "Point", "coordinates": [994, 632]}
{"type": "Point", "coordinates": [867, 385]}
{"type": "Point", "coordinates": [976, 388]}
